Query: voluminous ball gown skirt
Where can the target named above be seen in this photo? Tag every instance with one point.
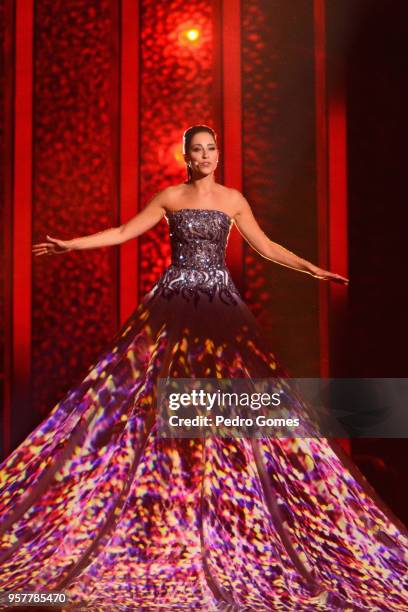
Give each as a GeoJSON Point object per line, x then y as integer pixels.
{"type": "Point", "coordinates": [95, 503]}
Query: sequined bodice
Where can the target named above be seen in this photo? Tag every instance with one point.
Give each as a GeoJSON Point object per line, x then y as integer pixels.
{"type": "Point", "coordinates": [198, 237]}
{"type": "Point", "coordinates": [198, 240]}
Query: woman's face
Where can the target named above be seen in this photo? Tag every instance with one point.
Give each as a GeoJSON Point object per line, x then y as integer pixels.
{"type": "Point", "coordinates": [203, 154]}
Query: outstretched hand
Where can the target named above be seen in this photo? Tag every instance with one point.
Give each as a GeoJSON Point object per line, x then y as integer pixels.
{"type": "Point", "coordinates": [52, 247]}
{"type": "Point", "coordinates": [326, 275]}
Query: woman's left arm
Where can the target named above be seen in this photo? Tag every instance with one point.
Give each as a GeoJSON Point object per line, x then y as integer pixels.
{"type": "Point", "coordinates": [248, 227]}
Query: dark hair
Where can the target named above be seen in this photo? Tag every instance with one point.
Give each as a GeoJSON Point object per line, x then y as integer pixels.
{"type": "Point", "coordinates": [187, 137]}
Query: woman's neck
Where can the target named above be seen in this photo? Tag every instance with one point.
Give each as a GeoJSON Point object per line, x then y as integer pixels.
{"type": "Point", "coordinates": [203, 185]}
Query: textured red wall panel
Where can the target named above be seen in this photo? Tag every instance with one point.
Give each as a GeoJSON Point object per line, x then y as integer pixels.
{"type": "Point", "coordinates": [75, 188]}
{"type": "Point", "coordinates": [280, 172]}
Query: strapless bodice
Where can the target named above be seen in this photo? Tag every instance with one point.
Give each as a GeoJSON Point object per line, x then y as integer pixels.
{"type": "Point", "coordinates": [198, 237]}
{"type": "Point", "coordinates": [198, 240]}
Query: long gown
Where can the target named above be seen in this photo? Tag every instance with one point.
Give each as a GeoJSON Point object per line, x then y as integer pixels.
{"type": "Point", "coordinates": [96, 504]}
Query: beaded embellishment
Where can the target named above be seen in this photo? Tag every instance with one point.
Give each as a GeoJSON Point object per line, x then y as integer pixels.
{"type": "Point", "coordinates": [198, 242]}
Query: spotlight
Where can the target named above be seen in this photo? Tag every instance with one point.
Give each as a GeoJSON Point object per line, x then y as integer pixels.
{"type": "Point", "coordinates": [178, 154]}
{"type": "Point", "coordinates": [192, 34]}
{"type": "Point", "coordinates": [189, 36]}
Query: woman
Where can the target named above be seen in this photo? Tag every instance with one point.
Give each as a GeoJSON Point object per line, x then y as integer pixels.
{"type": "Point", "coordinates": [94, 502]}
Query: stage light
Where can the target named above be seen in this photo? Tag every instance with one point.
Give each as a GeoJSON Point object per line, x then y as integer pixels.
{"type": "Point", "coordinates": [189, 36]}
{"type": "Point", "coordinates": [171, 156]}
{"type": "Point", "coordinates": [193, 34]}
{"type": "Point", "coordinates": [177, 151]}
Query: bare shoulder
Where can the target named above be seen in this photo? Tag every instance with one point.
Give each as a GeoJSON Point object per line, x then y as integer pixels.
{"type": "Point", "coordinates": [168, 198]}
{"type": "Point", "coordinates": [238, 202]}
{"type": "Point", "coordinates": [176, 189]}
{"type": "Point", "coordinates": [162, 199]}
{"type": "Point", "coordinates": [232, 198]}
{"type": "Point", "coordinates": [172, 194]}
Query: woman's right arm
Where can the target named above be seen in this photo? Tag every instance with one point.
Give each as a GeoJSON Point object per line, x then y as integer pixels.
{"type": "Point", "coordinates": [140, 223]}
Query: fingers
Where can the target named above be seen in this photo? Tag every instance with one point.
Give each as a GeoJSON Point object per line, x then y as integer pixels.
{"type": "Point", "coordinates": [48, 248]}
{"type": "Point", "coordinates": [340, 279]}
{"type": "Point", "coordinates": [330, 276]}
{"type": "Point", "coordinates": [335, 277]}
{"type": "Point", "coordinates": [43, 248]}
{"type": "Point", "coordinates": [42, 252]}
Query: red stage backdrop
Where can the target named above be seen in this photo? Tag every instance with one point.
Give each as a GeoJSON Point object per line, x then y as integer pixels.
{"type": "Point", "coordinates": [280, 167]}
{"type": "Point", "coordinates": [97, 96]}
{"type": "Point", "coordinates": [75, 187]}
